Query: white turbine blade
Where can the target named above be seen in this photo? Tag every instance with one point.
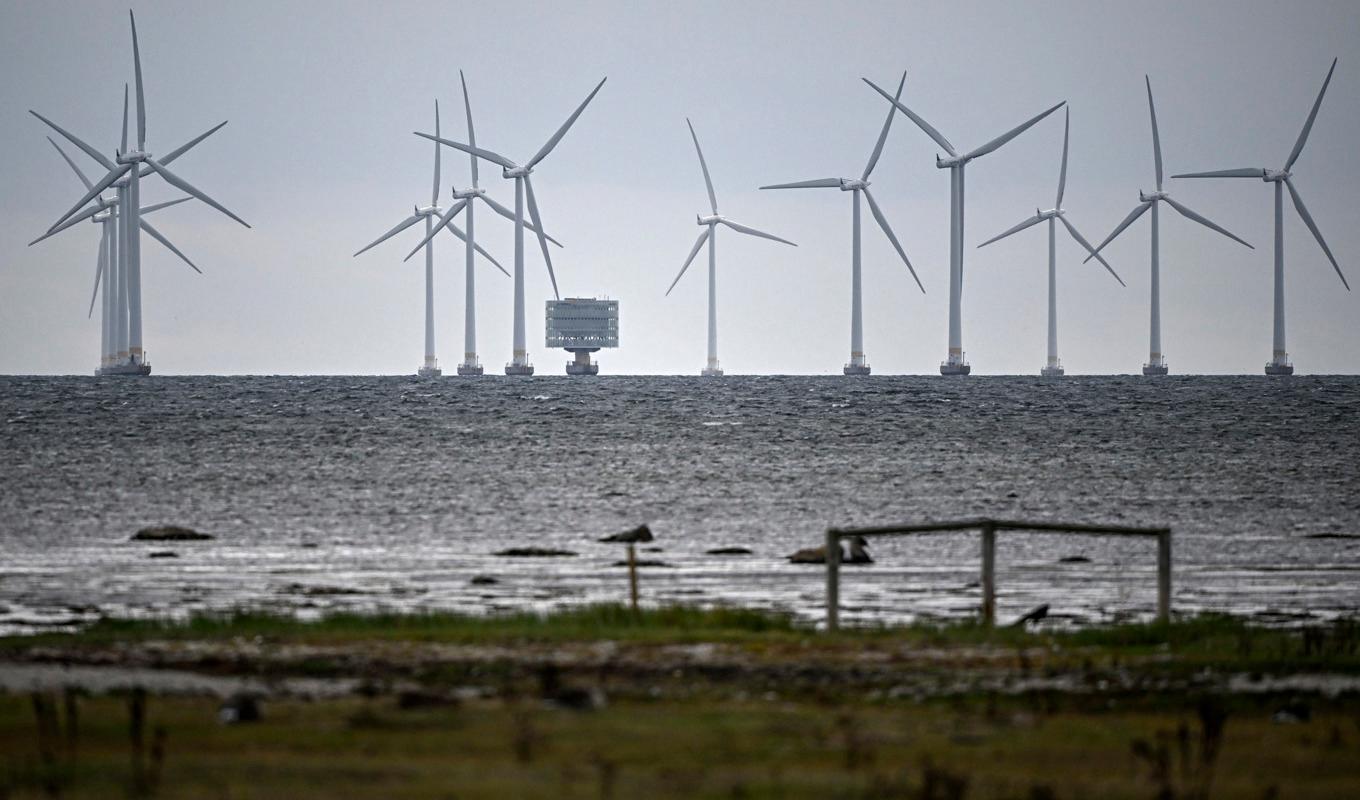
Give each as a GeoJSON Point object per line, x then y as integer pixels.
{"type": "Point", "coordinates": [104, 183]}
{"type": "Point", "coordinates": [456, 231]}
{"type": "Point", "coordinates": [447, 217]}
{"type": "Point", "coordinates": [187, 146]}
{"type": "Point", "coordinates": [1156, 137]}
{"type": "Point", "coordinates": [70, 223]}
{"type": "Point", "coordinates": [562, 131]}
{"type": "Point", "coordinates": [75, 140]}
{"type": "Point", "coordinates": [883, 135]}
{"type": "Point", "coordinates": [1081, 240]}
{"type": "Point", "coordinates": [494, 158]}
{"type": "Point", "coordinates": [698, 243]}
{"type": "Point", "coordinates": [123, 148]}
{"type": "Point", "coordinates": [920, 123]}
{"type": "Point", "coordinates": [72, 165]}
{"type": "Point", "coordinates": [708, 182]}
{"type": "Point", "coordinates": [166, 204]}
{"type": "Point", "coordinates": [472, 133]}
{"type": "Point", "coordinates": [434, 193]}
{"type": "Point", "coordinates": [1034, 220]}
{"type": "Point", "coordinates": [1133, 215]}
{"type": "Point", "coordinates": [1062, 175]}
{"type": "Point", "coordinates": [737, 226]}
{"type": "Point", "coordinates": [883, 223]}
{"type": "Point", "coordinates": [1312, 226]}
{"type": "Point", "coordinates": [510, 215]}
{"type": "Point", "coordinates": [538, 223]}
{"type": "Point", "coordinates": [1188, 214]}
{"type": "Point", "coordinates": [186, 187]}
{"type": "Point", "coordinates": [1308, 126]}
{"type": "Point", "coordinates": [1244, 172]}
{"type": "Point", "coordinates": [819, 183]}
{"type": "Point", "coordinates": [1012, 133]}
{"type": "Point", "coordinates": [398, 228]}
{"type": "Point", "coordinates": [141, 96]}
{"type": "Point", "coordinates": [99, 270]}
{"type": "Point", "coordinates": [155, 234]}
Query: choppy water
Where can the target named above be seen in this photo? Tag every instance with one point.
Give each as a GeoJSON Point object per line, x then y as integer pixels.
{"type": "Point", "coordinates": [351, 492]}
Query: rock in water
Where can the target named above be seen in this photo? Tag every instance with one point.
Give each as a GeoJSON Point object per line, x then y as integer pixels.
{"type": "Point", "coordinates": [533, 552]}
{"type": "Point", "coordinates": [1074, 560]}
{"type": "Point", "coordinates": [169, 533]}
{"type": "Point", "coordinates": [163, 554]}
{"type": "Point", "coordinates": [729, 551]}
{"type": "Point", "coordinates": [641, 533]}
{"type": "Point", "coordinates": [483, 580]}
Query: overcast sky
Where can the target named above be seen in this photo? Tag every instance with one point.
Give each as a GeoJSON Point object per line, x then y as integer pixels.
{"type": "Point", "coordinates": [319, 157]}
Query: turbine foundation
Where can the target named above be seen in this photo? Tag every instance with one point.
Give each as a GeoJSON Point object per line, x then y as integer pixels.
{"type": "Point", "coordinates": [519, 369]}
{"type": "Point", "coordinates": [1154, 369]}
{"type": "Point", "coordinates": [1054, 370]}
{"type": "Point", "coordinates": [582, 365]}
{"type": "Point", "coordinates": [856, 369]}
{"type": "Point", "coordinates": [470, 367]}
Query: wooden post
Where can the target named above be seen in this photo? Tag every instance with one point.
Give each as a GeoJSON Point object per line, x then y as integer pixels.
{"type": "Point", "coordinates": [988, 574]}
{"type": "Point", "coordinates": [1164, 576]}
{"type": "Point", "coordinates": [632, 577]}
{"type": "Point", "coordinates": [833, 584]}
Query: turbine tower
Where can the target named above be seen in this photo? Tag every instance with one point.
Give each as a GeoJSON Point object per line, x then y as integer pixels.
{"type": "Point", "coordinates": [1053, 368]}
{"type": "Point", "coordinates": [430, 213]}
{"type": "Point", "coordinates": [471, 365]}
{"type": "Point", "coordinates": [1156, 357]}
{"type": "Point", "coordinates": [710, 234]}
{"type": "Point", "coordinates": [955, 363]}
{"type": "Point", "coordinates": [1279, 362]}
{"type": "Point", "coordinates": [519, 364]}
{"type": "Point", "coordinates": [125, 173]}
{"type": "Point", "coordinates": [856, 186]}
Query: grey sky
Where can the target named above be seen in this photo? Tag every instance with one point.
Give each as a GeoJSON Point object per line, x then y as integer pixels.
{"type": "Point", "coordinates": [319, 157]}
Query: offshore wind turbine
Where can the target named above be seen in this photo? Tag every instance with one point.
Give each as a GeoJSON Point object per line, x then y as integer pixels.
{"type": "Point", "coordinates": [955, 363]}
{"type": "Point", "coordinates": [856, 186]}
{"type": "Point", "coordinates": [519, 364]}
{"type": "Point", "coordinates": [125, 173]}
{"type": "Point", "coordinates": [710, 234]}
{"type": "Point", "coordinates": [1156, 357]}
{"type": "Point", "coordinates": [1279, 361]}
{"type": "Point", "coordinates": [466, 199]}
{"type": "Point", "coordinates": [430, 213]}
{"type": "Point", "coordinates": [1053, 368]}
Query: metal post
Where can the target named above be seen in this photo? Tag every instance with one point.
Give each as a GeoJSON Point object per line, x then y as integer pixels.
{"type": "Point", "coordinates": [833, 587]}
{"type": "Point", "coordinates": [988, 575]}
{"type": "Point", "coordinates": [632, 576]}
{"type": "Point", "coordinates": [1164, 576]}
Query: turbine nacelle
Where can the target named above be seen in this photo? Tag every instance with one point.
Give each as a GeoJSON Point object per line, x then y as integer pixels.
{"type": "Point", "coordinates": [103, 216]}
{"type": "Point", "coordinates": [468, 194]}
{"type": "Point", "coordinates": [951, 162]}
{"type": "Point", "coordinates": [853, 184]}
{"type": "Point", "coordinates": [429, 211]}
{"type": "Point", "coordinates": [712, 219]}
{"type": "Point", "coordinates": [1151, 197]}
{"type": "Point", "coordinates": [132, 157]}
{"type": "Point", "coordinates": [1049, 214]}
{"type": "Point", "coordinates": [1276, 175]}
{"type": "Point", "coordinates": [516, 172]}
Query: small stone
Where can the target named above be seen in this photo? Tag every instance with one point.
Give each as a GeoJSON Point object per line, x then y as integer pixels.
{"type": "Point", "coordinates": [644, 562]}
{"type": "Point", "coordinates": [641, 533]}
{"type": "Point", "coordinates": [533, 552]}
{"type": "Point", "coordinates": [163, 554]}
{"type": "Point", "coordinates": [169, 533]}
{"type": "Point", "coordinates": [483, 580]}
{"type": "Point", "coordinates": [729, 551]}
{"type": "Point", "coordinates": [1074, 560]}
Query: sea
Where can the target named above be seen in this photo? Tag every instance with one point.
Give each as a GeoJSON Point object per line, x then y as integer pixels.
{"type": "Point", "coordinates": [326, 494]}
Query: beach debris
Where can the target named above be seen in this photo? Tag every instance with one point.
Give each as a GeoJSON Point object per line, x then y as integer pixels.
{"type": "Point", "coordinates": [1034, 615]}
{"type": "Point", "coordinates": [239, 708]}
{"type": "Point", "coordinates": [169, 533]}
{"type": "Point", "coordinates": [817, 555]}
{"type": "Point", "coordinates": [1074, 560]}
{"type": "Point", "coordinates": [162, 554]}
{"type": "Point", "coordinates": [729, 551]}
{"type": "Point", "coordinates": [643, 562]}
{"type": "Point", "coordinates": [641, 533]}
{"type": "Point", "coordinates": [533, 552]}
{"type": "Point", "coordinates": [483, 580]}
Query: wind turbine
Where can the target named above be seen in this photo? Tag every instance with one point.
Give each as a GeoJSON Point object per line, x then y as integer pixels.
{"type": "Point", "coordinates": [1054, 366]}
{"type": "Point", "coordinates": [710, 234]}
{"type": "Point", "coordinates": [519, 364]}
{"type": "Point", "coordinates": [471, 365]}
{"type": "Point", "coordinates": [1156, 358]}
{"type": "Point", "coordinates": [1279, 362]}
{"type": "Point", "coordinates": [856, 186]}
{"type": "Point", "coordinates": [955, 364]}
{"type": "Point", "coordinates": [432, 216]}
{"type": "Point", "coordinates": [125, 173]}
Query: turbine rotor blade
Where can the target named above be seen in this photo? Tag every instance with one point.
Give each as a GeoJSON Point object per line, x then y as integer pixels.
{"type": "Point", "coordinates": [1034, 220]}
{"type": "Point", "coordinates": [494, 158]}
{"type": "Point", "coordinates": [166, 204]}
{"type": "Point", "coordinates": [562, 131]}
{"type": "Point", "coordinates": [434, 192]}
{"type": "Point", "coordinates": [1244, 172]}
{"type": "Point", "coordinates": [103, 160]}
{"type": "Point", "coordinates": [883, 135]}
{"type": "Point", "coordinates": [398, 228]}
{"type": "Point", "coordinates": [920, 123]}
{"type": "Point", "coordinates": [538, 223]}
{"type": "Point", "coordinates": [1062, 175]}
{"type": "Point", "coordinates": [708, 181]}
{"type": "Point", "coordinates": [103, 183]}
{"type": "Point", "coordinates": [737, 226]}
{"type": "Point", "coordinates": [1081, 240]}
{"type": "Point", "coordinates": [1012, 133]}
{"type": "Point", "coordinates": [472, 134]}
{"type": "Point", "coordinates": [70, 223]}
{"type": "Point", "coordinates": [124, 147]}
{"type": "Point", "coordinates": [1312, 226]}
{"type": "Point", "coordinates": [187, 146]}
{"type": "Point", "coordinates": [456, 231]}
{"type": "Point", "coordinates": [1156, 138]}
{"type": "Point", "coordinates": [1308, 126]}
{"type": "Point", "coordinates": [155, 234]}
{"type": "Point", "coordinates": [99, 270]}
{"type": "Point", "coordinates": [444, 219]}
{"type": "Point", "coordinates": [819, 183]}
{"type": "Point", "coordinates": [510, 215]}
{"type": "Point", "coordinates": [141, 96]}
{"type": "Point", "coordinates": [703, 237]}
{"type": "Point", "coordinates": [1133, 215]}
{"type": "Point", "coordinates": [72, 165]}
{"type": "Point", "coordinates": [1188, 214]}
{"type": "Point", "coordinates": [883, 223]}
{"type": "Point", "coordinates": [188, 188]}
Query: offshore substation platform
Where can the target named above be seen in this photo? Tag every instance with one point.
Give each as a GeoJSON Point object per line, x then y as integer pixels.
{"type": "Point", "coordinates": [581, 326]}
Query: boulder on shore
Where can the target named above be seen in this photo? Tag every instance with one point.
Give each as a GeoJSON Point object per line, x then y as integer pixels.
{"type": "Point", "coordinates": [641, 533]}
{"type": "Point", "coordinates": [169, 533]}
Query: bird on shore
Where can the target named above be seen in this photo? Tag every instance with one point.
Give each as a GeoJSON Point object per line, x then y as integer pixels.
{"type": "Point", "coordinates": [817, 555]}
